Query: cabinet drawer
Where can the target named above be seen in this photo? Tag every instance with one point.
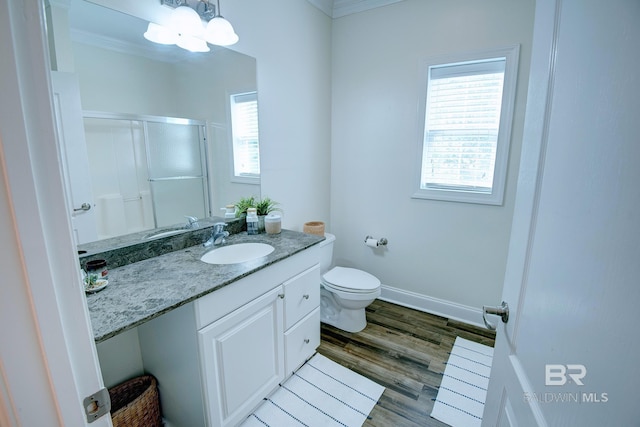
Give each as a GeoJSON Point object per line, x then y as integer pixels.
{"type": "Point", "coordinates": [301, 295]}
{"type": "Point", "coordinates": [301, 341]}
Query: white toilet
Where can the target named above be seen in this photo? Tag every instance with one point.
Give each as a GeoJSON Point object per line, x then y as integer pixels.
{"type": "Point", "coordinates": [345, 292]}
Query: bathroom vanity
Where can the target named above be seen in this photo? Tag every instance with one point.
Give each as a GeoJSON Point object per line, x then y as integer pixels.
{"type": "Point", "coordinates": [218, 337]}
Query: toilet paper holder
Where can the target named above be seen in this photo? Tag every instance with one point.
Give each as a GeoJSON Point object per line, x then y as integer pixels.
{"type": "Point", "coordinates": [370, 240]}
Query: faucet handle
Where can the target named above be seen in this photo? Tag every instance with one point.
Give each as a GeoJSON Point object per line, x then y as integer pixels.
{"type": "Point", "coordinates": [219, 226]}
{"type": "Point", "coordinates": [192, 221]}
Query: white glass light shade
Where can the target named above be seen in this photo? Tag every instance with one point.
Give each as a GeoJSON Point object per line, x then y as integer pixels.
{"type": "Point", "coordinates": [220, 32]}
{"type": "Point", "coordinates": [186, 21]}
{"type": "Point", "coordinates": [192, 44]}
{"type": "Point", "coordinates": [159, 34]}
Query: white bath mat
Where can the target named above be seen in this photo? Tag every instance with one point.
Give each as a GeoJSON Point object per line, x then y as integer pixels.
{"type": "Point", "coordinates": [462, 393]}
{"type": "Point", "coordinates": [320, 393]}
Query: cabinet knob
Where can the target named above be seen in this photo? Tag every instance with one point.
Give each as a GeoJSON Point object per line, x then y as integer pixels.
{"type": "Point", "coordinates": [305, 296]}
{"type": "Point", "coordinates": [306, 340]}
{"type": "Point", "coordinates": [281, 296]}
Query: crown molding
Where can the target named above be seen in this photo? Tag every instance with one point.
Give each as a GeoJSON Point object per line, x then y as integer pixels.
{"type": "Point", "coordinates": [152, 51]}
{"type": "Point", "coordinates": [348, 7]}
{"type": "Point", "coordinates": [325, 6]}
{"type": "Point", "coordinates": [339, 8]}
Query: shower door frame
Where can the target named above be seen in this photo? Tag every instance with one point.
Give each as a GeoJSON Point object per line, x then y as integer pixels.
{"type": "Point", "coordinates": [145, 119]}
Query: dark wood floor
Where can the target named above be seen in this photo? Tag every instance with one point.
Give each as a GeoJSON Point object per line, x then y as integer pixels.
{"type": "Point", "coordinates": [405, 351]}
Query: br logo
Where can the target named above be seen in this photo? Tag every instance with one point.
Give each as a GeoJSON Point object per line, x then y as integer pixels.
{"type": "Point", "coordinates": [557, 374]}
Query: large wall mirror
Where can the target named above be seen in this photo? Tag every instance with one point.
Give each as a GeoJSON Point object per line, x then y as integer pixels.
{"type": "Point", "coordinates": [157, 121]}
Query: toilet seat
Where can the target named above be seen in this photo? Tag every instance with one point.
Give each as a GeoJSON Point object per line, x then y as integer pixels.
{"type": "Point", "coordinates": [350, 280]}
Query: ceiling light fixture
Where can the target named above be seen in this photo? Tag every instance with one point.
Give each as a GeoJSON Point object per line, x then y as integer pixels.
{"type": "Point", "coordinates": [185, 28]}
{"type": "Point", "coordinates": [219, 30]}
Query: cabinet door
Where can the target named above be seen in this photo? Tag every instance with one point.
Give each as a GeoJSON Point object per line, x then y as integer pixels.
{"type": "Point", "coordinates": [242, 358]}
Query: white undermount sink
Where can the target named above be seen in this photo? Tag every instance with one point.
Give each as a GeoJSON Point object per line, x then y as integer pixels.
{"type": "Point", "coordinates": [234, 254]}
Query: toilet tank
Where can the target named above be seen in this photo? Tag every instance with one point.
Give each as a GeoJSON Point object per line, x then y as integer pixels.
{"type": "Point", "coordinates": [326, 252]}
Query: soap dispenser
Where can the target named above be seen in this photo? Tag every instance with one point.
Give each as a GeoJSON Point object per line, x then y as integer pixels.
{"type": "Point", "coordinates": [229, 211]}
{"type": "Point", "coordinates": [252, 221]}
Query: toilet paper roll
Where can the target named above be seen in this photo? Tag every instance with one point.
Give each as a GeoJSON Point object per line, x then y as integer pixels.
{"type": "Point", "coordinates": [372, 243]}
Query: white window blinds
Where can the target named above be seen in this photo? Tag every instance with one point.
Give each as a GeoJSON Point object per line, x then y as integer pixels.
{"type": "Point", "coordinates": [461, 126]}
{"type": "Point", "coordinates": [466, 112]}
{"type": "Point", "coordinates": [246, 147]}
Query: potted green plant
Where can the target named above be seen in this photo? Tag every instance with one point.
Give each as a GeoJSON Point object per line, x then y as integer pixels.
{"type": "Point", "coordinates": [266, 206]}
{"type": "Point", "coordinates": [243, 204]}
{"type": "Point", "coordinates": [263, 207]}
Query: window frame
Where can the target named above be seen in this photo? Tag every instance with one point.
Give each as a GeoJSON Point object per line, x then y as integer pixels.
{"type": "Point", "coordinates": [496, 196]}
{"type": "Point", "coordinates": [247, 178]}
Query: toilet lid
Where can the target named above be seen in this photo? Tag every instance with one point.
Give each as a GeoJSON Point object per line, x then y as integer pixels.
{"type": "Point", "coordinates": [351, 280]}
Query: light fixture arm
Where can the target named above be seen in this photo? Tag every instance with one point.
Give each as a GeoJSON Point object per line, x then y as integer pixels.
{"type": "Point", "coordinates": [204, 8]}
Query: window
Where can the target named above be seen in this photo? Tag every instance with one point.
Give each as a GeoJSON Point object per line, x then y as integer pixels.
{"type": "Point", "coordinates": [246, 148]}
{"type": "Point", "coordinates": [467, 112]}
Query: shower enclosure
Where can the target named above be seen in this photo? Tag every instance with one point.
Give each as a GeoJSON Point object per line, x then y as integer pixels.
{"type": "Point", "coordinates": [146, 171]}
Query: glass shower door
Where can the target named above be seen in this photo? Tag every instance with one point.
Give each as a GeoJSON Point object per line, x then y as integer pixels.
{"type": "Point", "coordinates": [177, 171]}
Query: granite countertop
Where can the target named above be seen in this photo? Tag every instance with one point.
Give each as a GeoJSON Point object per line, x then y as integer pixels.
{"type": "Point", "coordinates": [130, 248]}
{"type": "Point", "coordinates": [143, 290]}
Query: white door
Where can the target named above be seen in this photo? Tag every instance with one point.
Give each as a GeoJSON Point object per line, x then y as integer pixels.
{"type": "Point", "coordinates": [75, 162]}
{"type": "Point", "coordinates": [48, 361]}
{"type": "Point", "coordinates": [568, 355]}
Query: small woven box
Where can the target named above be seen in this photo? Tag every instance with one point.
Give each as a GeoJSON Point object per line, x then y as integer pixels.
{"type": "Point", "coordinates": [314, 227]}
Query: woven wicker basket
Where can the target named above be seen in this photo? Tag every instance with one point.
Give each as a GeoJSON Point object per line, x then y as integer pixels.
{"type": "Point", "coordinates": [136, 403]}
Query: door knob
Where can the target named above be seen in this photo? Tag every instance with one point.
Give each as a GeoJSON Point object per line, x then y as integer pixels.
{"type": "Point", "coordinates": [83, 207]}
{"type": "Point", "coordinates": [502, 311]}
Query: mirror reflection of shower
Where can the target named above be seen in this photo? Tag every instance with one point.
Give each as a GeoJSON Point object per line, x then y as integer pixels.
{"type": "Point", "coordinates": [120, 72]}
{"type": "Point", "coordinates": [146, 172]}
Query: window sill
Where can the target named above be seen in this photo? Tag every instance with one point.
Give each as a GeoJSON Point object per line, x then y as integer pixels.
{"type": "Point", "coordinates": [461, 196]}
{"type": "Point", "coordinates": [245, 180]}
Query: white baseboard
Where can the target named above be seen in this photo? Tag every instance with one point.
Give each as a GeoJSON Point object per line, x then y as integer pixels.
{"type": "Point", "coordinates": [439, 307]}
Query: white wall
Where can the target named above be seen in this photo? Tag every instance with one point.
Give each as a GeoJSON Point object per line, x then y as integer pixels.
{"type": "Point", "coordinates": [291, 41]}
{"type": "Point", "coordinates": [448, 251]}
{"type": "Point", "coordinates": [113, 81]}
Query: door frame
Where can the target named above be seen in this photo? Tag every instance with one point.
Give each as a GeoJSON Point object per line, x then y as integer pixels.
{"type": "Point", "coordinates": [49, 359]}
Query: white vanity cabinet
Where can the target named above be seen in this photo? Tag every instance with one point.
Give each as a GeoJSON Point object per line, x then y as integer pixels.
{"type": "Point", "coordinates": [244, 338]}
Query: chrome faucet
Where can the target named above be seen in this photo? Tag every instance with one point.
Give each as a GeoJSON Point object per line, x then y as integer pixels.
{"type": "Point", "coordinates": [192, 222]}
{"type": "Point", "coordinates": [218, 235]}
